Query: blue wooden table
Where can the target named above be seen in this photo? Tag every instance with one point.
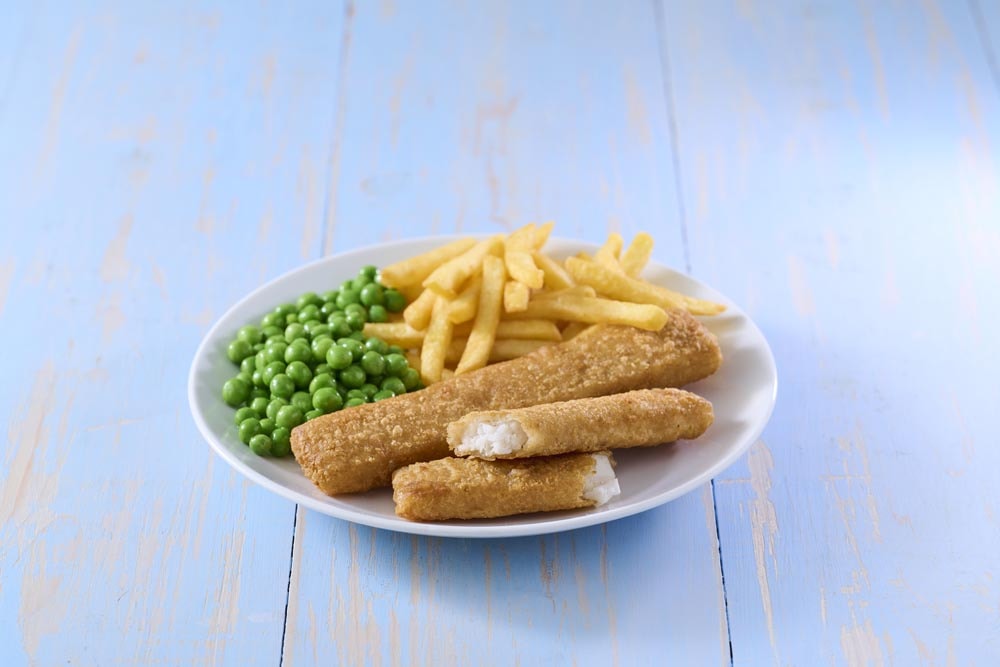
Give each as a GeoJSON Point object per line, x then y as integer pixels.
{"type": "Point", "coordinates": [833, 167]}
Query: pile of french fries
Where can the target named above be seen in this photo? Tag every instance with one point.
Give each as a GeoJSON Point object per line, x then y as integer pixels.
{"type": "Point", "coordinates": [474, 302]}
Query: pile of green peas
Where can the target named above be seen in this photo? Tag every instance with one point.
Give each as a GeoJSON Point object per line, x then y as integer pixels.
{"type": "Point", "coordinates": [310, 358]}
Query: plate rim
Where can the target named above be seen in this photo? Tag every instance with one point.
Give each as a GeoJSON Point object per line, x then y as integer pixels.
{"type": "Point", "coordinates": [476, 530]}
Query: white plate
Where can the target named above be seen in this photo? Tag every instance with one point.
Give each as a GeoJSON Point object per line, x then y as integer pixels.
{"type": "Point", "coordinates": [742, 392]}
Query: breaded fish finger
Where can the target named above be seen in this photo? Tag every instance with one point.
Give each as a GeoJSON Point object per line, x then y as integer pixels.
{"type": "Point", "coordinates": [639, 418]}
{"type": "Point", "coordinates": [475, 489]}
{"type": "Point", "coordinates": [359, 448]}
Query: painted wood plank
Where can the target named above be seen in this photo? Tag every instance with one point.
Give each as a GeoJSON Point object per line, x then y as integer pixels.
{"type": "Point", "coordinates": [480, 118]}
{"type": "Point", "coordinates": [839, 167]}
{"type": "Point", "coordinates": [158, 163]}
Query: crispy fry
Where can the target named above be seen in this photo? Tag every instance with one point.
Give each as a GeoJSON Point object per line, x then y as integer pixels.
{"type": "Point", "coordinates": [556, 276]}
{"type": "Point", "coordinates": [503, 349]}
{"type": "Point", "coordinates": [608, 253]}
{"type": "Point", "coordinates": [522, 239]}
{"type": "Point", "coordinates": [414, 270]}
{"type": "Point", "coordinates": [589, 309]}
{"type": "Point", "coordinates": [447, 279]}
{"type": "Point", "coordinates": [418, 313]}
{"type": "Point", "coordinates": [635, 257]}
{"type": "Point", "coordinates": [412, 358]}
{"type": "Point", "coordinates": [542, 234]}
{"type": "Point", "coordinates": [574, 329]}
{"type": "Point", "coordinates": [463, 308]}
{"type": "Point", "coordinates": [477, 350]}
{"type": "Point", "coordinates": [515, 296]}
{"type": "Point", "coordinates": [395, 333]}
{"type": "Point", "coordinates": [576, 290]}
{"type": "Point", "coordinates": [529, 329]}
{"type": "Point", "coordinates": [521, 267]}
{"type": "Point", "coordinates": [436, 342]}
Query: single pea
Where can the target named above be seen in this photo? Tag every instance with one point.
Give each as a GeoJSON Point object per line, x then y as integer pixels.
{"type": "Point", "coordinates": [372, 295]}
{"type": "Point", "coordinates": [282, 386]}
{"type": "Point", "coordinates": [353, 376]}
{"type": "Point", "coordinates": [369, 389]}
{"type": "Point", "coordinates": [259, 406]}
{"type": "Point", "coordinates": [273, 406]}
{"type": "Point", "coordinates": [291, 318]}
{"type": "Point", "coordinates": [382, 395]}
{"type": "Point", "coordinates": [249, 365]}
{"type": "Point", "coordinates": [281, 442]}
{"type": "Point", "coordinates": [246, 377]}
{"type": "Point", "coordinates": [301, 400]}
{"type": "Point", "coordinates": [395, 365]}
{"type": "Point", "coordinates": [327, 400]}
{"type": "Point", "coordinates": [317, 329]}
{"type": "Point", "coordinates": [269, 332]}
{"type": "Point", "coordinates": [276, 320]}
{"type": "Point", "coordinates": [271, 370]}
{"type": "Point", "coordinates": [267, 425]}
{"type": "Point", "coordinates": [368, 271]}
{"type": "Point", "coordinates": [320, 346]}
{"type": "Point", "coordinates": [312, 414]}
{"type": "Point", "coordinates": [299, 351]}
{"type": "Point", "coordinates": [248, 429]}
{"type": "Point", "coordinates": [358, 336]}
{"type": "Point", "coordinates": [342, 390]}
{"type": "Point", "coordinates": [352, 402]}
{"type": "Point", "coordinates": [355, 347]}
{"type": "Point", "coordinates": [394, 300]}
{"type": "Point", "coordinates": [257, 378]}
{"type": "Point", "coordinates": [288, 417]}
{"type": "Point", "coordinates": [395, 385]}
{"type": "Point", "coordinates": [377, 345]}
{"type": "Point", "coordinates": [307, 299]}
{"type": "Point", "coordinates": [357, 393]}
{"type": "Point", "coordinates": [329, 295]}
{"type": "Point", "coordinates": [339, 328]}
{"type": "Point", "coordinates": [321, 381]}
{"type": "Point", "coordinates": [250, 334]}
{"type": "Point", "coordinates": [411, 379]}
{"type": "Point", "coordinates": [378, 313]}
{"type": "Point", "coordinates": [275, 352]}
{"type": "Point", "coordinates": [258, 392]}
{"type": "Point", "coordinates": [347, 297]}
{"type": "Point", "coordinates": [373, 363]}
{"type": "Point", "coordinates": [260, 445]}
{"type": "Point", "coordinates": [310, 312]}
{"type": "Point", "coordinates": [359, 283]}
{"type": "Point", "coordinates": [239, 350]}
{"type": "Point", "coordinates": [244, 413]}
{"type": "Point", "coordinates": [286, 309]}
{"type": "Point", "coordinates": [339, 357]}
{"type": "Point", "coordinates": [235, 391]}
{"type": "Point", "coordinates": [300, 374]}
{"type": "Point", "coordinates": [356, 321]}
{"type": "Point", "coordinates": [395, 349]}
{"type": "Point", "coordinates": [327, 309]}
{"type": "Point", "coordinates": [355, 308]}
{"type": "Point", "coordinates": [294, 332]}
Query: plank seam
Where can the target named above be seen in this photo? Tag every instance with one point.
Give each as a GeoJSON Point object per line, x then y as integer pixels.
{"type": "Point", "coordinates": [288, 587]}
{"type": "Point", "coordinates": [668, 94]}
{"type": "Point", "coordinates": [984, 39]}
{"type": "Point", "coordinates": [722, 573]}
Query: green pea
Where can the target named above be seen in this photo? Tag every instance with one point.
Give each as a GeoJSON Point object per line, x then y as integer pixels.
{"type": "Point", "coordinates": [353, 402]}
{"type": "Point", "coordinates": [244, 413]}
{"type": "Point", "coordinates": [286, 309]}
{"type": "Point", "coordinates": [320, 346]}
{"type": "Point", "coordinates": [310, 312]}
{"type": "Point", "coordinates": [395, 302]}
{"type": "Point", "coordinates": [321, 381]}
{"type": "Point", "coordinates": [288, 417]}
{"type": "Point", "coordinates": [353, 376]}
{"type": "Point", "coordinates": [330, 295]}
{"type": "Point", "coordinates": [348, 296]}
{"type": "Point", "coordinates": [377, 345]}
{"type": "Point", "coordinates": [357, 393]}
{"type": "Point", "coordinates": [373, 363]}
{"type": "Point", "coordinates": [281, 442]}
{"type": "Point", "coordinates": [238, 350]}
{"type": "Point", "coordinates": [308, 299]}
{"type": "Point", "coordinates": [258, 392]}
{"type": "Point", "coordinates": [360, 282]}
{"type": "Point", "coordinates": [328, 309]}
{"type": "Point", "coordinates": [294, 332]}
{"type": "Point", "coordinates": [275, 352]}
{"type": "Point", "coordinates": [338, 357]}
{"type": "Point", "coordinates": [411, 379]}
{"type": "Point", "coordinates": [276, 320]}
{"type": "Point", "coordinates": [322, 368]}
{"type": "Point", "coordinates": [369, 390]}
{"type": "Point", "coordinates": [246, 377]}
{"type": "Point", "coordinates": [355, 347]}
{"type": "Point", "coordinates": [266, 425]}
{"type": "Point", "coordinates": [271, 332]}
{"type": "Point", "coordinates": [257, 378]}
{"type": "Point", "coordinates": [316, 328]}
{"type": "Point", "coordinates": [312, 414]}
{"type": "Point", "coordinates": [382, 395]}
{"type": "Point", "coordinates": [248, 429]}
{"type": "Point", "coordinates": [260, 445]}
{"type": "Point", "coordinates": [355, 308]}
{"type": "Point", "coordinates": [395, 349]}
{"type": "Point", "coordinates": [298, 351]}
{"type": "Point", "coordinates": [356, 321]}
{"type": "Point", "coordinates": [300, 374]}
{"type": "Point", "coordinates": [357, 335]}
{"type": "Point", "coordinates": [395, 385]}
{"type": "Point", "coordinates": [369, 271]}
{"type": "Point", "coordinates": [327, 400]}
{"type": "Point", "coordinates": [235, 391]}
{"type": "Point", "coordinates": [395, 365]}
{"type": "Point", "coordinates": [260, 359]}
{"type": "Point", "coordinates": [339, 328]}
{"type": "Point", "coordinates": [291, 318]}
{"type": "Point", "coordinates": [273, 406]}
{"type": "Point", "coordinates": [248, 365]}
{"type": "Point", "coordinates": [259, 405]}
{"type": "Point", "coordinates": [271, 370]}
{"type": "Point", "coordinates": [377, 313]}
{"type": "Point", "coordinates": [250, 334]}
{"type": "Point", "coordinates": [282, 386]}
{"type": "Point", "coordinates": [301, 400]}
{"type": "Point", "coordinates": [372, 295]}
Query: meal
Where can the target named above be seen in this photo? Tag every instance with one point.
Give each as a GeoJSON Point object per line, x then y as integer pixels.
{"type": "Point", "coordinates": [481, 379]}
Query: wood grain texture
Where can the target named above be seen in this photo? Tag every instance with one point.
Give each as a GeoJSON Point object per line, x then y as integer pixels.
{"type": "Point", "coordinates": [157, 164]}
{"type": "Point", "coordinates": [840, 169]}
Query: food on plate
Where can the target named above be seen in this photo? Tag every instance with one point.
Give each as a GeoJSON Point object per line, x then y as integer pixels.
{"type": "Point", "coordinates": [452, 488]}
{"type": "Point", "coordinates": [357, 450]}
{"type": "Point", "coordinates": [310, 357]}
{"type": "Point", "coordinates": [640, 418]}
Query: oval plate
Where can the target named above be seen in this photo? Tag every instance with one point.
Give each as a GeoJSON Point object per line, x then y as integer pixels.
{"type": "Point", "coordinates": [742, 393]}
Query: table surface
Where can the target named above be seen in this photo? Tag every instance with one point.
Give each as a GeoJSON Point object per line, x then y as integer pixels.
{"type": "Point", "coordinates": [832, 167]}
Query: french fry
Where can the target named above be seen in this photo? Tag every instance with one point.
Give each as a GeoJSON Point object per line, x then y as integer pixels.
{"type": "Point", "coordinates": [542, 233]}
{"type": "Point", "coordinates": [477, 350]}
{"type": "Point", "coordinates": [436, 342]}
{"type": "Point", "coordinates": [418, 313]}
{"type": "Point", "coordinates": [414, 270]}
{"type": "Point", "coordinates": [521, 267]}
{"type": "Point", "coordinates": [555, 275]}
{"type": "Point", "coordinates": [611, 283]}
{"type": "Point", "coordinates": [412, 358]}
{"type": "Point", "coordinates": [502, 350]}
{"type": "Point", "coordinates": [595, 311]}
{"type": "Point", "coordinates": [395, 333]}
{"type": "Point", "coordinates": [525, 329]}
{"type": "Point", "coordinates": [463, 308]}
{"type": "Point", "coordinates": [608, 253]}
{"type": "Point", "coordinates": [575, 290]}
{"type": "Point", "coordinates": [515, 296]}
{"type": "Point", "coordinates": [635, 257]}
{"type": "Point", "coordinates": [574, 329]}
{"type": "Point", "coordinates": [522, 238]}
{"type": "Point", "coordinates": [448, 278]}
